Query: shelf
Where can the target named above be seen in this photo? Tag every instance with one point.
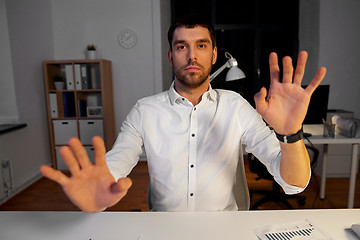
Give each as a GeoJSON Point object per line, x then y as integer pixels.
{"type": "Point", "coordinates": [84, 107]}
{"type": "Point", "coordinates": [5, 128]}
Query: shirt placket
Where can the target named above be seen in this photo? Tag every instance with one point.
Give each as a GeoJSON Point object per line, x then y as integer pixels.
{"type": "Point", "coordinates": [192, 160]}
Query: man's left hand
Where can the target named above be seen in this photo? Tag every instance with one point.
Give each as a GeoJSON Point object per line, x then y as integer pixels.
{"type": "Point", "coordinates": [285, 107]}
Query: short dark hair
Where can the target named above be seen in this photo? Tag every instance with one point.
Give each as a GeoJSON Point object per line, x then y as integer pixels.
{"type": "Point", "coordinates": [191, 21]}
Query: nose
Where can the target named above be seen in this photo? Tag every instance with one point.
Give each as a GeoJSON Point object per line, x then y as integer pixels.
{"type": "Point", "coordinates": [192, 56]}
{"type": "Point", "coordinates": [192, 59]}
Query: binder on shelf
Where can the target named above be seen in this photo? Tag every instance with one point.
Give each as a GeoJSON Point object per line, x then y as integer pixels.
{"type": "Point", "coordinates": [69, 77]}
{"type": "Point", "coordinates": [93, 78]}
{"type": "Point", "coordinates": [84, 78]}
{"type": "Point", "coordinates": [53, 105]}
{"type": "Point", "coordinates": [63, 72]}
{"type": "Point", "coordinates": [93, 71]}
{"type": "Point", "coordinates": [78, 82]}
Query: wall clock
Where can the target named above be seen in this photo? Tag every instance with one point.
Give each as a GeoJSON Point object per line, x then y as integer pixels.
{"type": "Point", "coordinates": [127, 38]}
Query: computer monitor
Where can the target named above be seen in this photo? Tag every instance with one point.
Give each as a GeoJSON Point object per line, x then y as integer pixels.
{"type": "Point", "coordinates": [318, 106]}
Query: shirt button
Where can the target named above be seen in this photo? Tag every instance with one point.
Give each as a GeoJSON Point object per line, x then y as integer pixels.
{"type": "Point", "coordinates": [194, 109]}
{"type": "Point", "coordinates": [193, 135]}
{"type": "Point", "coordinates": [183, 99]}
{"type": "Point", "coordinates": [191, 194]}
{"type": "Point", "coordinates": [192, 165]}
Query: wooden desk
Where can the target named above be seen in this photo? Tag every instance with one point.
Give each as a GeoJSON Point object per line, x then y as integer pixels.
{"type": "Point", "coordinates": [164, 226]}
{"type": "Point", "coordinates": [316, 138]}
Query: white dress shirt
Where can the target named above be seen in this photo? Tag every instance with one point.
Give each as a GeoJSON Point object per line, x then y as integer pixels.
{"type": "Point", "coordinates": [193, 151]}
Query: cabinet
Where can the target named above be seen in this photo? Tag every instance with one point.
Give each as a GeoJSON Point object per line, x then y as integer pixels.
{"type": "Point", "coordinates": [82, 106]}
{"type": "Point", "coordinates": [339, 156]}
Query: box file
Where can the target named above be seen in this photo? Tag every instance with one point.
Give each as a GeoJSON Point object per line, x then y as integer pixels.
{"type": "Point", "coordinates": [64, 130]}
{"type": "Point", "coordinates": [90, 128]}
{"type": "Point", "coordinates": [69, 77]}
{"type": "Point", "coordinates": [53, 105]}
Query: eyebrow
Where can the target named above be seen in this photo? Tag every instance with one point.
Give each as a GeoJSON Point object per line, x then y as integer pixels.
{"type": "Point", "coordinates": [203, 40]}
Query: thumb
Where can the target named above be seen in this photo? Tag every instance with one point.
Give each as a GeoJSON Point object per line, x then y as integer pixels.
{"type": "Point", "coordinates": [122, 185]}
{"type": "Point", "coordinates": [260, 97]}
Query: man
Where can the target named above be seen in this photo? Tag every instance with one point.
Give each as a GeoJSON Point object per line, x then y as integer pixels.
{"type": "Point", "coordinates": [192, 135]}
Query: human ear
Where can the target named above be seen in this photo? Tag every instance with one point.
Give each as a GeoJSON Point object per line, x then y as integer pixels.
{"type": "Point", "coordinates": [170, 57]}
{"type": "Point", "coordinates": [214, 54]}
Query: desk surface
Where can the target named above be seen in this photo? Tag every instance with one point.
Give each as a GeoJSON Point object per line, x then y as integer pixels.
{"type": "Point", "coordinates": [317, 136]}
{"type": "Point", "coordinates": [158, 226]}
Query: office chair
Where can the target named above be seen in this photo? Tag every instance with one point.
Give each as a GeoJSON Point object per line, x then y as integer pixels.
{"type": "Point", "coordinates": [276, 194]}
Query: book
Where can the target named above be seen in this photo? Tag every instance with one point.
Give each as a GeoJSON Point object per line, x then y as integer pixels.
{"type": "Point", "coordinates": [69, 104]}
{"type": "Point", "coordinates": [82, 108]}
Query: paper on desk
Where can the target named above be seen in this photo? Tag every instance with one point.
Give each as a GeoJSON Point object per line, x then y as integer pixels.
{"type": "Point", "coordinates": [291, 231]}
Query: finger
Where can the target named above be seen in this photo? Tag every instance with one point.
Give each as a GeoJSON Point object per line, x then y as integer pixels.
{"type": "Point", "coordinates": [274, 67]}
{"type": "Point", "coordinates": [260, 96]}
{"type": "Point", "coordinates": [79, 152]}
{"type": "Point", "coordinates": [122, 185]}
{"type": "Point", "coordinates": [300, 67]}
{"type": "Point", "coordinates": [99, 150]}
{"type": "Point", "coordinates": [69, 159]}
{"type": "Point", "coordinates": [54, 175]}
{"type": "Point", "coordinates": [288, 70]}
{"type": "Point", "coordinates": [319, 76]}
{"type": "Point", "coordinates": [260, 100]}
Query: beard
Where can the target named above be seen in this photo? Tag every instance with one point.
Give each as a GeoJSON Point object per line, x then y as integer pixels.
{"type": "Point", "coordinates": [192, 79]}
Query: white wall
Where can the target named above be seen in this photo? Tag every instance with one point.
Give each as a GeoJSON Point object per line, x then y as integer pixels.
{"type": "Point", "coordinates": [137, 72]}
{"type": "Point", "coordinates": [165, 15]}
{"type": "Point", "coordinates": [329, 31]}
{"type": "Point", "coordinates": [339, 51]}
{"type": "Point", "coordinates": [309, 37]}
{"type": "Point", "coordinates": [30, 35]}
{"type": "Point", "coordinates": [8, 108]}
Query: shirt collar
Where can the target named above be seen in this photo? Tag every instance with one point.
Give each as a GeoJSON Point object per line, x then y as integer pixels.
{"type": "Point", "coordinates": [174, 96]}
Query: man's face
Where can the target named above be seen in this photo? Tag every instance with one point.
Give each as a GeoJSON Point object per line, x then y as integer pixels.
{"type": "Point", "coordinates": [192, 56]}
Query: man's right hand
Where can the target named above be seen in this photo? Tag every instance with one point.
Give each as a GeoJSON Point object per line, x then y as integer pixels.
{"type": "Point", "coordinates": [91, 187]}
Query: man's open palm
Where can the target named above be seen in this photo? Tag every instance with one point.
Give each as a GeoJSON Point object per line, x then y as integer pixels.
{"type": "Point", "coordinates": [286, 105]}
{"type": "Point", "coordinates": [91, 187]}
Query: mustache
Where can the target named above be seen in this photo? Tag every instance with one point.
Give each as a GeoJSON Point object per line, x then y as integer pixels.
{"type": "Point", "coordinates": [193, 64]}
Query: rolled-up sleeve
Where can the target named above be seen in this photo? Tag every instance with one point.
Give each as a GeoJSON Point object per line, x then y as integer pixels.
{"type": "Point", "coordinates": [127, 149]}
{"type": "Point", "coordinates": [263, 144]}
{"type": "Point", "coordinates": [288, 189]}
